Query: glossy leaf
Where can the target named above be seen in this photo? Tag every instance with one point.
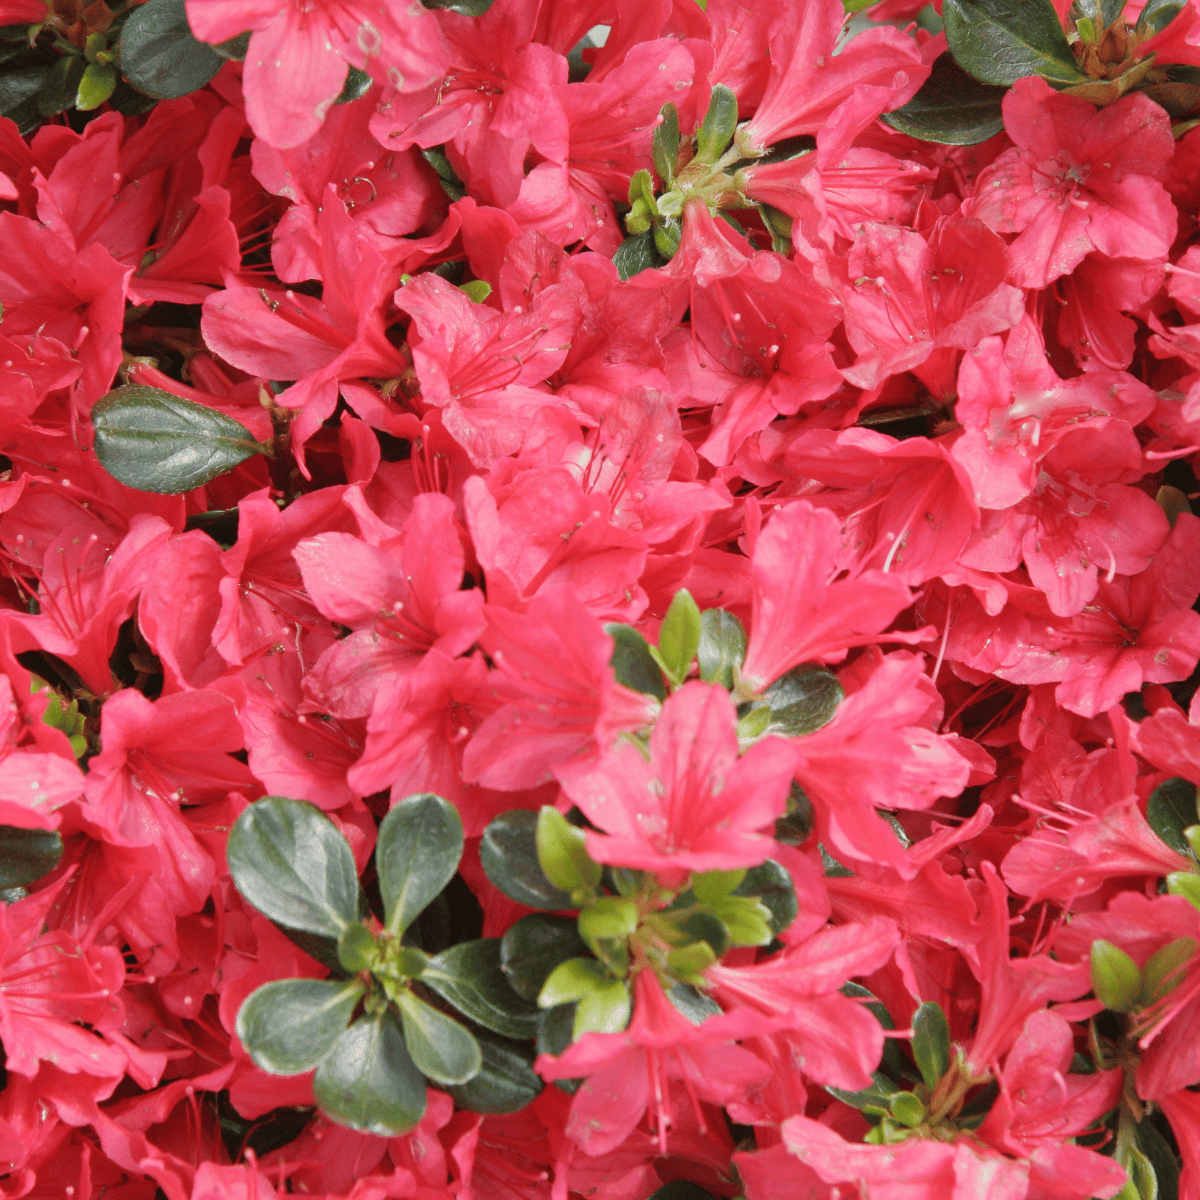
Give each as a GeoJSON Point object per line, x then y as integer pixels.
{"type": "Point", "coordinates": [722, 646]}
{"type": "Point", "coordinates": [469, 975]}
{"type": "Point", "coordinates": [420, 843]}
{"type": "Point", "coordinates": [803, 700]}
{"type": "Point", "coordinates": [290, 1025]}
{"type": "Point", "coordinates": [772, 885]}
{"type": "Point", "coordinates": [632, 664]}
{"type": "Point", "coordinates": [27, 854]}
{"type": "Point", "coordinates": [1170, 810]}
{"type": "Point", "coordinates": [154, 441]}
{"type": "Point", "coordinates": [508, 852]}
{"type": "Point", "coordinates": [62, 83]}
{"type": "Point", "coordinates": [696, 1005]}
{"type": "Point", "coordinates": [562, 853]}
{"type": "Point", "coordinates": [678, 637]}
{"type": "Point", "coordinates": [159, 55]}
{"type": "Point", "coordinates": [1157, 15]}
{"type": "Point", "coordinates": [1001, 41]}
{"type": "Point", "coordinates": [931, 1042]}
{"type": "Point", "coordinates": [368, 1080]}
{"type": "Point", "coordinates": [357, 85]}
{"type": "Point", "coordinates": [441, 1048]}
{"type": "Point", "coordinates": [951, 107]}
{"type": "Point", "coordinates": [877, 1099]}
{"type": "Point", "coordinates": [19, 90]}
{"type": "Point", "coordinates": [506, 1081]}
{"type": "Point", "coordinates": [292, 863]}
{"type": "Point", "coordinates": [96, 84]}
{"type": "Point", "coordinates": [572, 980]}
{"type": "Point", "coordinates": [533, 946]}
{"type": "Point", "coordinates": [636, 254]}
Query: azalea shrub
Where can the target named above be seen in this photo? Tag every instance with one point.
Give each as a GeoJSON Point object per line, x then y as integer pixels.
{"type": "Point", "coordinates": [600, 599]}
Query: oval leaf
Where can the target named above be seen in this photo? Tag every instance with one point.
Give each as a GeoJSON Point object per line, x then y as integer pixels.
{"type": "Point", "coordinates": [27, 854]}
{"type": "Point", "coordinates": [952, 108]}
{"type": "Point", "coordinates": [803, 700]}
{"type": "Point", "coordinates": [290, 1025]}
{"type": "Point", "coordinates": [440, 1047]}
{"type": "Point", "coordinates": [154, 441]}
{"type": "Point", "coordinates": [420, 843]}
{"type": "Point", "coordinates": [506, 1081]}
{"type": "Point", "coordinates": [1001, 41]}
{"type": "Point", "coordinates": [159, 55]}
{"type": "Point", "coordinates": [1170, 810]}
{"type": "Point", "coordinates": [368, 1080]}
{"type": "Point", "coordinates": [292, 863]}
{"type": "Point", "coordinates": [631, 662]}
{"type": "Point", "coordinates": [470, 977]}
{"type": "Point", "coordinates": [533, 947]}
{"type": "Point", "coordinates": [635, 255]}
{"type": "Point", "coordinates": [772, 885]}
{"type": "Point", "coordinates": [722, 646]}
{"type": "Point", "coordinates": [508, 853]}
{"type": "Point", "coordinates": [679, 634]}
{"type": "Point", "coordinates": [931, 1042]}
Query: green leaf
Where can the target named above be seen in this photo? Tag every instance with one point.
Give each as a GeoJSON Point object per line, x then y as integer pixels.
{"type": "Point", "coordinates": [1165, 969]}
{"type": "Point", "coordinates": [420, 843]}
{"type": "Point", "coordinates": [796, 826]}
{"type": "Point", "coordinates": [803, 700]}
{"type": "Point", "coordinates": [691, 1002]}
{"type": "Point", "coordinates": [154, 441]}
{"type": "Point", "coordinates": [613, 917]}
{"type": "Point", "coordinates": [469, 975]}
{"type": "Point", "coordinates": [710, 886]}
{"type": "Point", "coordinates": [451, 184]}
{"type": "Point", "coordinates": [722, 647]}
{"type": "Point", "coordinates": [908, 1109]}
{"type": "Point", "coordinates": [716, 130]}
{"type": "Point", "coordinates": [666, 145]}
{"type": "Point", "coordinates": [1157, 15]}
{"type": "Point", "coordinates": [1102, 13]}
{"type": "Point", "coordinates": [688, 963]}
{"type": "Point", "coordinates": [368, 1080]}
{"type": "Point", "coordinates": [441, 1048]}
{"type": "Point", "coordinates": [678, 637]}
{"type": "Point", "coordinates": [554, 1029]}
{"type": "Point", "coordinates": [235, 48]}
{"type": "Point", "coordinates": [506, 1081]}
{"type": "Point", "coordinates": [508, 852]}
{"type": "Point", "coordinates": [357, 85]}
{"type": "Point", "coordinates": [292, 863]}
{"type": "Point", "coordinates": [62, 83]}
{"type": "Point", "coordinates": [465, 8]}
{"type": "Point", "coordinates": [951, 107]}
{"type": "Point", "coordinates": [562, 853]}
{"type": "Point", "coordinates": [681, 1189]}
{"type": "Point", "coordinates": [1160, 1157]}
{"type": "Point", "coordinates": [356, 948]}
{"type": "Point", "coordinates": [632, 664]}
{"type": "Point", "coordinates": [682, 927]}
{"type": "Point", "coordinates": [772, 885]}
{"type": "Point", "coordinates": [290, 1025]}
{"type": "Point", "coordinates": [533, 946]}
{"type": "Point", "coordinates": [1185, 884]}
{"type": "Point", "coordinates": [604, 1010]}
{"type": "Point", "coordinates": [746, 919]}
{"type": "Point", "coordinates": [27, 854]}
{"type": "Point", "coordinates": [18, 96]}
{"type": "Point", "coordinates": [635, 255]}
{"type": "Point", "coordinates": [1170, 810]}
{"type": "Point", "coordinates": [159, 55]}
{"type": "Point", "coordinates": [1116, 979]}
{"type": "Point", "coordinates": [876, 1099]}
{"type": "Point", "coordinates": [1001, 41]}
{"type": "Point", "coordinates": [572, 980]}
{"type": "Point", "coordinates": [95, 86]}
{"type": "Point", "coordinates": [931, 1042]}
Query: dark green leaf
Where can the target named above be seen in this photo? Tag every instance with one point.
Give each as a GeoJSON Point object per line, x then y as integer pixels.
{"type": "Point", "coordinates": [323, 949]}
{"type": "Point", "coordinates": [803, 700]}
{"type": "Point", "coordinates": [635, 255]}
{"type": "Point", "coordinates": [681, 1189]}
{"type": "Point", "coordinates": [357, 85]}
{"type": "Point", "coordinates": [931, 1042]}
{"type": "Point", "coordinates": [1157, 15]}
{"type": "Point", "coordinates": [441, 1048]}
{"type": "Point", "coordinates": [1170, 810]}
{"type": "Point", "coordinates": [875, 1099]}
{"type": "Point", "coordinates": [62, 83]}
{"type": "Point", "coordinates": [290, 1025]}
{"type": "Point", "coordinates": [130, 101]}
{"type": "Point", "coordinates": [368, 1080]}
{"type": "Point", "coordinates": [420, 843]}
{"type": "Point", "coordinates": [1102, 13]}
{"type": "Point", "coordinates": [508, 853]}
{"type": "Point", "coordinates": [716, 130]}
{"type": "Point", "coordinates": [682, 928]}
{"type": "Point", "coordinates": [27, 854]}
{"type": "Point", "coordinates": [1001, 41]}
{"type": "Point", "coordinates": [1166, 1166]}
{"type": "Point", "coordinates": [159, 55]}
{"type": "Point", "coordinates": [506, 1081]}
{"type": "Point", "coordinates": [833, 869]}
{"type": "Point", "coordinates": [18, 96]}
{"type": "Point", "coordinates": [154, 441]}
{"type": "Point", "coordinates": [796, 826]}
{"type": "Point", "coordinates": [666, 145]}
{"type": "Point", "coordinates": [771, 884]}
{"type": "Point", "coordinates": [952, 107]}
{"type": "Point", "coordinates": [533, 947]}
{"type": "Point", "coordinates": [292, 863]}
{"type": "Point", "coordinates": [451, 184]}
{"type": "Point", "coordinates": [631, 662]}
{"type": "Point", "coordinates": [236, 48]}
{"type": "Point", "coordinates": [679, 636]}
{"type": "Point", "coordinates": [694, 1004]}
{"type": "Point", "coordinates": [470, 977]}
{"type": "Point", "coordinates": [722, 646]}
{"type": "Point", "coordinates": [466, 8]}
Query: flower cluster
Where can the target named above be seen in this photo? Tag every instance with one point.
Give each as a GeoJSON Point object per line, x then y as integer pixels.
{"type": "Point", "coordinates": [598, 599]}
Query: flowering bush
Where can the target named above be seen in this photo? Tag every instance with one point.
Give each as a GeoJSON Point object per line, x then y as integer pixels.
{"type": "Point", "coordinates": [600, 599]}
